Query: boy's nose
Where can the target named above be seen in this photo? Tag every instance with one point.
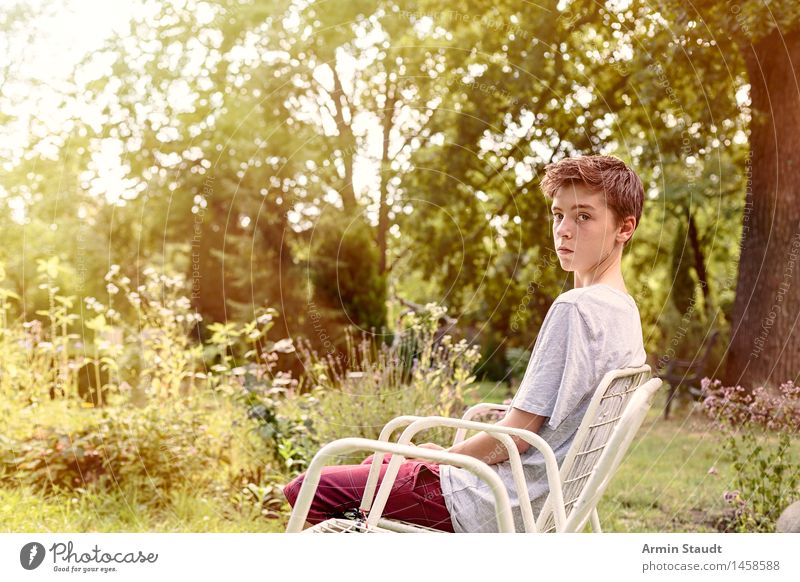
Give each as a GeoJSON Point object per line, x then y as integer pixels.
{"type": "Point", "coordinates": [562, 231]}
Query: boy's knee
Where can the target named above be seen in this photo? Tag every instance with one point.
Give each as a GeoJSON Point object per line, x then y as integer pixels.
{"type": "Point", "coordinates": [292, 489]}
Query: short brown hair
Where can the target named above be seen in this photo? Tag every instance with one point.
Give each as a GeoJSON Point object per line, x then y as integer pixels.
{"type": "Point", "coordinates": [608, 175]}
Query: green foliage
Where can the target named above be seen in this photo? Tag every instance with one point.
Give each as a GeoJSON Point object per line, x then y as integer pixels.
{"type": "Point", "coordinates": [129, 510]}
{"type": "Point", "coordinates": [518, 359]}
{"type": "Point", "coordinates": [420, 374]}
{"type": "Point", "coordinates": [230, 168]}
{"type": "Point", "coordinates": [160, 447]}
{"type": "Point", "coordinates": [163, 435]}
{"type": "Point", "coordinates": [344, 271]}
{"type": "Point", "coordinates": [766, 479]}
{"type": "Point", "coordinates": [287, 432]}
{"type": "Point", "coordinates": [37, 357]}
{"type": "Point", "coordinates": [761, 429]}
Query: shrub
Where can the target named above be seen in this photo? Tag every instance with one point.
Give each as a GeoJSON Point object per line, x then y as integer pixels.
{"type": "Point", "coordinates": [420, 374]}
{"type": "Point", "coordinates": [288, 432]}
{"type": "Point", "coordinates": [766, 478]}
{"type": "Point", "coordinates": [35, 360]}
{"type": "Point", "coordinates": [162, 447]}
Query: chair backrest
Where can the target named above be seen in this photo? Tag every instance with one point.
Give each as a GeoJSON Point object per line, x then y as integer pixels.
{"type": "Point", "coordinates": [592, 441]}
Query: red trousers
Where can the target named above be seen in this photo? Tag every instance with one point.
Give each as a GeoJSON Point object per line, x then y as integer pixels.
{"type": "Point", "coordinates": [416, 495]}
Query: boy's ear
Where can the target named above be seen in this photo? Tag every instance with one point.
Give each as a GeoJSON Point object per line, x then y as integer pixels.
{"type": "Point", "coordinates": [627, 227]}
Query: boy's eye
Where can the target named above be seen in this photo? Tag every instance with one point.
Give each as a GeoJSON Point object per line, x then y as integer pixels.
{"type": "Point", "coordinates": [557, 215]}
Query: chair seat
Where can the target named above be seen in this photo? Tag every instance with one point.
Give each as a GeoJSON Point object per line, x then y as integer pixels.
{"type": "Point", "coordinates": [343, 525]}
{"type": "Point", "coordinates": [398, 525]}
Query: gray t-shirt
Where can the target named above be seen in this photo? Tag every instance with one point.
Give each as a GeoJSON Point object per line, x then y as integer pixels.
{"type": "Point", "coordinates": [587, 332]}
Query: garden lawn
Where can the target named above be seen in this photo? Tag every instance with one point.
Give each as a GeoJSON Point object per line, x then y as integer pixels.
{"type": "Point", "coordinates": [26, 511]}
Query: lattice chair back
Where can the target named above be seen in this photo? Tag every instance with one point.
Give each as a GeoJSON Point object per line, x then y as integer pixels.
{"type": "Point", "coordinates": [592, 439]}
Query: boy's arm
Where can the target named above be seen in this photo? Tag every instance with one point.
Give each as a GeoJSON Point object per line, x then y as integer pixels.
{"type": "Point", "coordinates": [488, 449]}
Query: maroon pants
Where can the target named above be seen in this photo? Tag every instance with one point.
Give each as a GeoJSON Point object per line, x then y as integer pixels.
{"type": "Point", "coordinates": [416, 495]}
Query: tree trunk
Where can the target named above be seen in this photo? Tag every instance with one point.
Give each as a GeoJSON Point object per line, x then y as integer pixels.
{"type": "Point", "coordinates": [387, 120]}
{"type": "Point", "coordinates": [765, 339]}
{"type": "Point", "coordinates": [699, 264]}
{"type": "Point", "coordinates": [347, 142]}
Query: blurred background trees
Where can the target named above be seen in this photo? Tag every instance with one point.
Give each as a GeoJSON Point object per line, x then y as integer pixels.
{"type": "Point", "coordinates": [335, 159]}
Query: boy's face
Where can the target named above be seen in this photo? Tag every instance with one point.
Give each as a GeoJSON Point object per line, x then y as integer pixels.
{"type": "Point", "coordinates": [590, 231]}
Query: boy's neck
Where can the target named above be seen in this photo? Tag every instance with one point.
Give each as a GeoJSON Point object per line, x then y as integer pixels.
{"type": "Point", "coordinates": [617, 283]}
{"type": "Point", "coordinates": [611, 276]}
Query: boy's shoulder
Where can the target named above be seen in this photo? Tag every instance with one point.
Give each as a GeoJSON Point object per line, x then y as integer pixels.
{"type": "Point", "coordinates": [597, 296]}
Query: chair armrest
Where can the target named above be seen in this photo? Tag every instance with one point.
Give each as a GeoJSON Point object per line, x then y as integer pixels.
{"type": "Point", "coordinates": [469, 414]}
{"type": "Point", "coordinates": [399, 421]}
{"type": "Point", "coordinates": [533, 439]}
{"type": "Point", "coordinates": [473, 411]}
{"type": "Point", "coordinates": [406, 419]}
{"type": "Point", "coordinates": [327, 453]}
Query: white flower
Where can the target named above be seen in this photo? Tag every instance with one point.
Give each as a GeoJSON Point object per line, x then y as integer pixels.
{"type": "Point", "coordinates": [111, 288]}
{"type": "Point", "coordinates": [285, 346]}
{"type": "Point", "coordinates": [113, 270]}
{"type": "Point", "coordinates": [94, 304]}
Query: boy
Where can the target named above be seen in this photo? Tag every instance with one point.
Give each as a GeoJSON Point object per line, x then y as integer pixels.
{"type": "Point", "coordinates": [589, 330]}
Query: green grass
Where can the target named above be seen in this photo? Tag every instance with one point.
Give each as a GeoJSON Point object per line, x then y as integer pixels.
{"type": "Point", "coordinates": [26, 511]}
{"type": "Point", "coordinates": [672, 479]}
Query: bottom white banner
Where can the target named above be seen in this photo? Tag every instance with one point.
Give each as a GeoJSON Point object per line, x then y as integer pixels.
{"type": "Point", "coordinates": [117, 557]}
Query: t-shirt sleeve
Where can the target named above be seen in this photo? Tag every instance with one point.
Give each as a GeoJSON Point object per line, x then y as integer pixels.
{"type": "Point", "coordinates": [561, 371]}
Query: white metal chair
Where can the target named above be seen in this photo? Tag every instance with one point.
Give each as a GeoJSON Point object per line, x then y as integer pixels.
{"type": "Point", "coordinates": [612, 419]}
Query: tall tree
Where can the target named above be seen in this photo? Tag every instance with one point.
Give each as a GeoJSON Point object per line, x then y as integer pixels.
{"type": "Point", "coordinates": [762, 41]}
{"type": "Point", "coordinates": [768, 294]}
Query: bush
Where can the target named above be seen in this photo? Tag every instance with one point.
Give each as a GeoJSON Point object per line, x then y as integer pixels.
{"type": "Point", "coordinates": [759, 428]}
{"type": "Point", "coordinates": [162, 447]}
{"type": "Point", "coordinates": [287, 431]}
{"type": "Point", "coordinates": [420, 374]}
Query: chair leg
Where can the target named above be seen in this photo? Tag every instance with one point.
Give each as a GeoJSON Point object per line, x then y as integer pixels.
{"type": "Point", "coordinates": [595, 521]}
{"type": "Point", "coordinates": [670, 396]}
